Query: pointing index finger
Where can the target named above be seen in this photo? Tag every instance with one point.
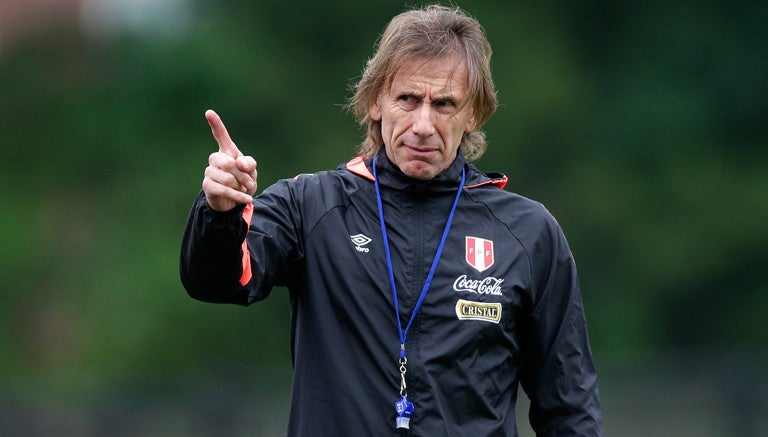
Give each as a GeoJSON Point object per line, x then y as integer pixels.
{"type": "Point", "coordinates": [221, 135]}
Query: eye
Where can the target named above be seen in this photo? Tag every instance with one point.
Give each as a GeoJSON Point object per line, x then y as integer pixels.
{"type": "Point", "coordinates": [408, 101]}
{"type": "Point", "coordinates": [445, 105]}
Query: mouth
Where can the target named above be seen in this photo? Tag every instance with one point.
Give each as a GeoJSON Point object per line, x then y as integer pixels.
{"type": "Point", "coordinates": [421, 150]}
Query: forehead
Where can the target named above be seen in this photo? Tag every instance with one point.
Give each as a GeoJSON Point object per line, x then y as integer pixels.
{"type": "Point", "coordinates": [443, 75]}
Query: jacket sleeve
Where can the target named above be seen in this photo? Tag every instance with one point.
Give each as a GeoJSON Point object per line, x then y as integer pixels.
{"type": "Point", "coordinates": [558, 373]}
{"type": "Point", "coordinates": [239, 255]}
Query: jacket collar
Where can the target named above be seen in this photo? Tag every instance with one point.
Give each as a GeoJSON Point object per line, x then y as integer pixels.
{"type": "Point", "coordinates": [390, 175]}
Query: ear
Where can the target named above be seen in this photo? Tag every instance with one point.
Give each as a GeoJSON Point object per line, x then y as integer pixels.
{"type": "Point", "coordinates": [374, 110]}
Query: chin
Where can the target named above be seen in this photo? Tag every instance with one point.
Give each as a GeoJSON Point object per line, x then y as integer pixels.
{"type": "Point", "coordinates": [419, 171]}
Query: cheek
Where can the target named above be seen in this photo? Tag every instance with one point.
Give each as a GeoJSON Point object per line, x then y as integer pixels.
{"type": "Point", "coordinates": [386, 129]}
{"type": "Point", "coordinates": [388, 135]}
{"type": "Point", "coordinates": [392, 126]}
{"type": "Point", "coordinates": [461, 127]}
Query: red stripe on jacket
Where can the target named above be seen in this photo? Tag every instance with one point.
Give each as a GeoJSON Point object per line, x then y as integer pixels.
{"type": "Point", "coordinates": [247, 273]}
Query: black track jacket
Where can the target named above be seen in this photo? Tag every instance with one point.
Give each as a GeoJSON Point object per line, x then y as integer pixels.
{"type": "Point", "coordinates": [504, 306]}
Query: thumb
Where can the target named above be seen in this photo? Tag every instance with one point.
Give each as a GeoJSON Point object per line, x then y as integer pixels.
{"type": "Point", "coordinates": [221, 135]}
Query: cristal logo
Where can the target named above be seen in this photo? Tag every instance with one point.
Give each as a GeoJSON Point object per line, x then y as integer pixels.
{"type": "Point", "coordinates": [360, 240]}
{"type": "Point", "coordinates": [489, 285]}
{"type": "Point", "coordinates": [485, 312]}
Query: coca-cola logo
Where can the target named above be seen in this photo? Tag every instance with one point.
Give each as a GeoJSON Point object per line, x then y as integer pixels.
{"type": "Point", "coordinates": [489, 285]}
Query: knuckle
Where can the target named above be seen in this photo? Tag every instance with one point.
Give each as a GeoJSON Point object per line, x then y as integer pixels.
{"type": "Point", "coordinates": [221, 160]}
{"type": "Point", "coordinates": [210, 186]}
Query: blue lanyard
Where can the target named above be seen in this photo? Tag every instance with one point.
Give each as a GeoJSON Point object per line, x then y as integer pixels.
{"type": "Point", "coordinates": [404, 332]}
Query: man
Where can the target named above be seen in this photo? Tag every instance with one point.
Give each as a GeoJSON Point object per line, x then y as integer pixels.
{"type": "Point", "coordinates": [421, 292]}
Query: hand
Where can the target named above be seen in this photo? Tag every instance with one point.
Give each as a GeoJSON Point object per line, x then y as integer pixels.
{"type": "Point", "coordinates": [230, 178]}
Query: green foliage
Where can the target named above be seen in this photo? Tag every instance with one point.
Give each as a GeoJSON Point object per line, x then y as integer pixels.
{"type": "Point", "coordinates": [641, 127]}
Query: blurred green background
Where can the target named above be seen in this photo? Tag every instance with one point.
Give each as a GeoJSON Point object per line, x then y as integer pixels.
{"type": "Point", "coordinates": [642, 127]}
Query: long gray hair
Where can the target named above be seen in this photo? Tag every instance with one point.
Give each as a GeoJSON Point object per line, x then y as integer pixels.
{"type": "Point", "coordinates": [431, 32]}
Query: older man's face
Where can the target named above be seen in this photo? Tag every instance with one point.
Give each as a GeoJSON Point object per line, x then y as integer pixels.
{"type": "Point", "coordinates": [424, 114]}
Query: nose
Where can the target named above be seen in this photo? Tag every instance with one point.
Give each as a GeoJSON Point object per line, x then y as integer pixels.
{"type": "Point", "coordinates": [423, 124]}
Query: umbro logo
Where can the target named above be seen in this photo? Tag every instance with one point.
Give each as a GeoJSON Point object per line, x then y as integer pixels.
{"type": "Point", "coordinates": [360, 241]}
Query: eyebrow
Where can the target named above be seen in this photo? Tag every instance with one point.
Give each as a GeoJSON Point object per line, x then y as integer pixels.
{"type": "Point", "coordinates": [443, 94]}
